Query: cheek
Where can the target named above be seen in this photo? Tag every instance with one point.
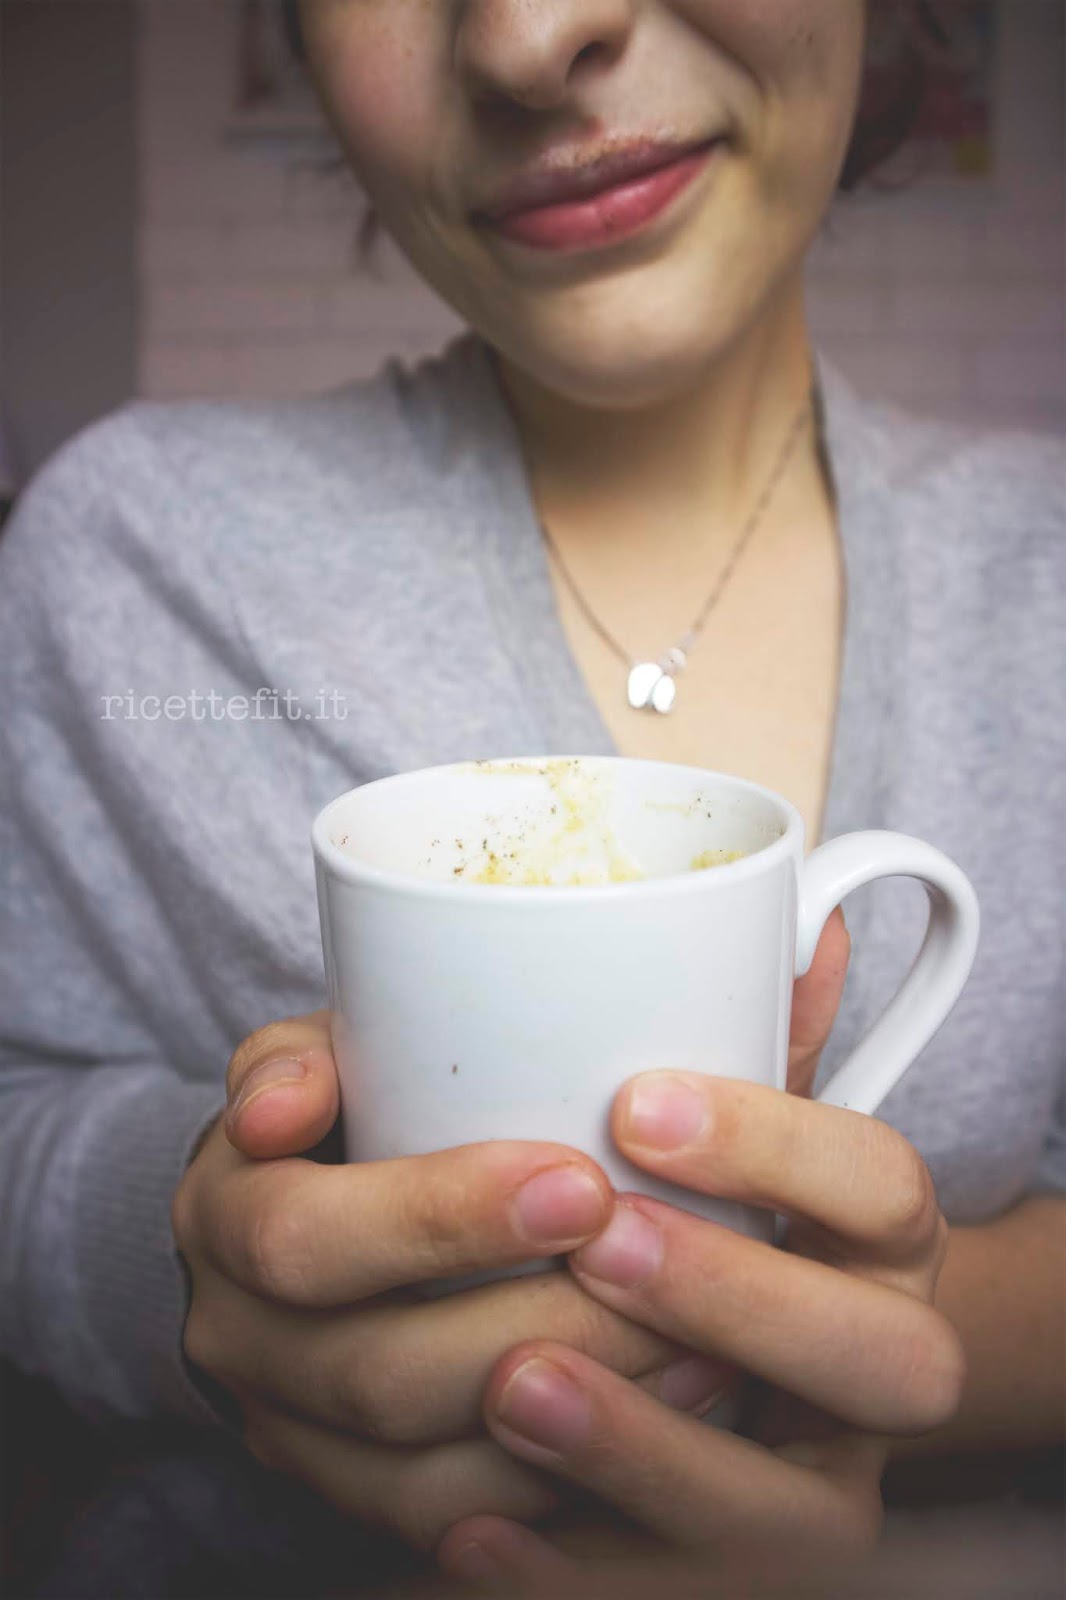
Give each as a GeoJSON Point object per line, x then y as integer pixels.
{"type": "Point", "coordinates": [805, 60]}
{"type": "Point", "coordinates": [803, 56]}
{"type": "Point", "coordinates": [380, 84]}
{"type": "Point", "coordinates": [764, 34]}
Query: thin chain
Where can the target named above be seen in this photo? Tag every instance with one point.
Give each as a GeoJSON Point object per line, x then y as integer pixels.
{"type": "Point", "coordinates": [688, 639]}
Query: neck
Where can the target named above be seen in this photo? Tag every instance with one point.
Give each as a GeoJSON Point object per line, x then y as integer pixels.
{"type": "Point", "coordinates": [695, 459]}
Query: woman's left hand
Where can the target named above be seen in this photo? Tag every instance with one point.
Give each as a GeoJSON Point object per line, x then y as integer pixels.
{"type": "Point", "coordinates": [836, 1331]}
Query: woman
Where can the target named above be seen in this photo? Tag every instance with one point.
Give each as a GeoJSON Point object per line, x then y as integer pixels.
{"type": "Point", "coordinates": [638, 454]}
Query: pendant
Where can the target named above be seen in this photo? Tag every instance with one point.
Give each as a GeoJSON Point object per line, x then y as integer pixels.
{"type": "Point", "coordinates": [651, 683]}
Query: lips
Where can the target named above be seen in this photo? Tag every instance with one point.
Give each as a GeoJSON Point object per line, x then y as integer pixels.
{"type": "Point", "coordinates": [598, 201]}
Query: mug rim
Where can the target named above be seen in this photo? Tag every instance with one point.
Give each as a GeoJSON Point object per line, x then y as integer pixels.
{"type": "Point", "coordinates": [349, 869]}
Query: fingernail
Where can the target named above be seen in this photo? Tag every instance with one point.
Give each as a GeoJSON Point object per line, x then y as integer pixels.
{"type": "Point", "coordinates": [545, 1406]}
{"type": "Point", "coordinates": [626, 1253]}
{"type": "Point", "coordinates": [476, 1565]}
{"type": "Point", "coordinates": [664, 1112]}
{"type": "Point", "coordinates": [692, 1384]}
{"type": "Point", "coordinates": [283, 1069]}
{"type": "Point", "coordinates": [560, 1205]}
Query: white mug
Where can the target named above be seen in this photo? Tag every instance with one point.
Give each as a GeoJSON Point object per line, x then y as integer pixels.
{"type": "Point", "coordinates": [468, 1007]}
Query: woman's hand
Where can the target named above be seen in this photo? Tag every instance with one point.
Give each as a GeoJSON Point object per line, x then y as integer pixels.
{"type": "Point", "coordinates": [837, 1330]}
{"type": "Point", "coordinates": [371, 1396]}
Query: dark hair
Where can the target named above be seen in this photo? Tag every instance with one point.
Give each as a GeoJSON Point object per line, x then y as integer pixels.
{"type": "Point", "coordinates": [891, 99]}
{"type": "Point", "coordinates": [889, 103]}
{"type": "Point", "coordinates": [294, 33]}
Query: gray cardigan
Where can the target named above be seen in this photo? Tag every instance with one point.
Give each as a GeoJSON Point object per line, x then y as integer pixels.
{"type": "Point", "coordinates": [157, 889]}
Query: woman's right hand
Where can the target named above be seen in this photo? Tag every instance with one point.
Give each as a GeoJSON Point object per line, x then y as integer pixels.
{"type": "Point", "coordinates": [298, 1271]}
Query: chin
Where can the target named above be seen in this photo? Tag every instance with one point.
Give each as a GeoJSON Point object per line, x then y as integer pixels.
{"type": "Point", "coordinates": [638, 379]}
{"type": "Point", "coordinates": [618, 361]}
{"type": "Point", "coordinates": [639, 338]}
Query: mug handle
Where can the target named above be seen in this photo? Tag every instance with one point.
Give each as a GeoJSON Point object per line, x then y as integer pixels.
{"type": "Point", "coordinates": [941, 967]}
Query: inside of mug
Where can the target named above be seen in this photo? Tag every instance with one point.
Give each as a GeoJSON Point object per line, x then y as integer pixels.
{"type": "Point", "coordinates": [570, 822]}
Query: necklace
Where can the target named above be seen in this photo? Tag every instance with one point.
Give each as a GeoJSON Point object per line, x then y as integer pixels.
{"type": "Point", "coordinates": [652, 685]}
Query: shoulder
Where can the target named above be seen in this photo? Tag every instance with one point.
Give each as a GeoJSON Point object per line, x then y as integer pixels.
{"type": "Point", "coordinates": [973, 482]}
{"type": "Point", "coordinates": [977, 516]}
{"type": "Point", "coordinates": [1002, 479]}
{"type": "Point", "coordinates": [954, 539]}
{"type": "Point", "coordinates": [145, 527]}
{"type": "Point", "coordinates": [382, 437]}
{"type": "Point", "coordinates": [173, 467]}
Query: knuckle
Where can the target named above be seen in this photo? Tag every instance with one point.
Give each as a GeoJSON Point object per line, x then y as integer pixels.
{"type": "Point", "coordinates": [182, 1212]}
{"type": "Point", "coordinates": [191, 1200]}
{"type": "Point", "coordinates": [399, 1513]}
{"type": "Point", "coordinates": [940, 1241]}
{"type": "Point", "coordinates": [934, 1375]}
{"type": "Point", "coordinates": [433, 1215]}
{"type": "Point", "coordinates": [428, 1486]}
{"type": "Point", "coordinates": [608, 1337]}
{"type": "Point", "coordinates": [201, 1340]}
{"type": "Point", "coordinates": [428, 1491]}
{"type": "Point", "coordinates": [417, 1522]}
{"type": "Point", "coordinates": [910, 1215]}
{"type": "Point", "coordinates": [434, 1493]}
{"type": "Point", "coordinates": [260, 1442]}
{"type": "Point", "coordinates": [726, 1128]}
{"type": "Point", "coordinates": [845, 1517]}
{"type": "Point", "coordinates": [598, 1332]}
{"type": "Point", "coordinates": [854, 1526]}
{"type": "Point", "coordinates": [277, 1259]}
{"type": "Point", "coordinates": [260, 1449]}
{"type": "Point", "coordinates": [384, 1400]}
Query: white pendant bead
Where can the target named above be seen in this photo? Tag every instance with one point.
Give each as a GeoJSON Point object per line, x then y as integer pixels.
{"type": "Point", "coordinates": [642, 681]}
{"type": "Point", "coordinates": [664, 694]}
{"type": "Point", "coordinates": [650, 688]}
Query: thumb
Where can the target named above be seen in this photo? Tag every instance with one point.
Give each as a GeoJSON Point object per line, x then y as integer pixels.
{"type": "Point", "coordinates": [281, 1088]}
{"type": "Point", "coordinates": [815, 1002]}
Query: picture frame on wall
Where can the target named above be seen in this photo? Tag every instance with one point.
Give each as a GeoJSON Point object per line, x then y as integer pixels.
{"type": "Point", "coordinates": [943, 54]}
{"type": "Point", "coordinates": [272, 95]}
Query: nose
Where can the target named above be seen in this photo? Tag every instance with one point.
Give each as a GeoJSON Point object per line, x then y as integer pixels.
{"type": "Point", "coordinates": [535, 52]}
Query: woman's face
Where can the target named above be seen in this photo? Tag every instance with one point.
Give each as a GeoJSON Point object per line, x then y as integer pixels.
{"type": "Point", "coordinates": [743, 106]}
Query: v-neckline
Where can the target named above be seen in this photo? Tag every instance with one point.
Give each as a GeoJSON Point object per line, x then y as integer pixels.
{"type": "Point", "coordinates": [517, 575]}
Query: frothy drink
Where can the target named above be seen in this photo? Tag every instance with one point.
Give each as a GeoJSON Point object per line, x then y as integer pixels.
{"type": "Point", "coordinates": [557, 828]}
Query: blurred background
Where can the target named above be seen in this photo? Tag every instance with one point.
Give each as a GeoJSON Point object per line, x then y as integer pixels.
{"type": "Point", "coordinates": [175, 221]}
